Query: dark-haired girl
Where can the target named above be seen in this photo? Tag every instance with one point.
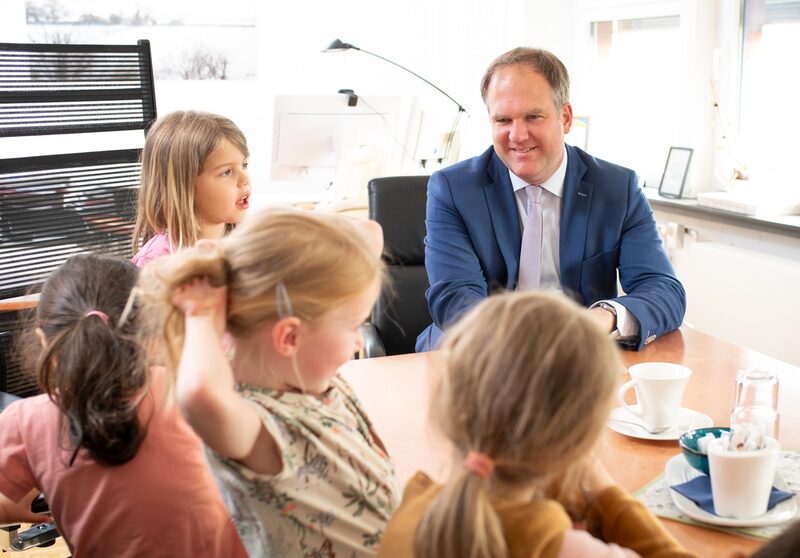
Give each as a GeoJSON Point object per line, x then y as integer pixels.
{"type": "Point", "coordinates": [123, 474]}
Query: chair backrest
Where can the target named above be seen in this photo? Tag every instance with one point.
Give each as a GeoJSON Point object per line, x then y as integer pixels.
{"type": "Point", "coordinates": [55, 205]}
{"type": "Point", "coordinates": [401, 313]}
{"type": "Point", "coordinates": [64, 89]}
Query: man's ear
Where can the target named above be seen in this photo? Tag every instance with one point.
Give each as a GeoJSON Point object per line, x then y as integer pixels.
{"type": "Point", "coordinates": [566, 117]}
{"type": "Point", "coordinates": [40, 334]}
{"type": "Point", "coordinates": [286, 335]}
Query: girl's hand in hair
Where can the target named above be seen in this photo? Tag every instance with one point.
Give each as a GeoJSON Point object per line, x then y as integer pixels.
{"type": "Point", "coordinates": [198, 299]}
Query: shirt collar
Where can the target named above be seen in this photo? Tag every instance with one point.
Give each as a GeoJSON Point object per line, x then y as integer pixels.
{"type": "Point", "coordinates": [554, 184]}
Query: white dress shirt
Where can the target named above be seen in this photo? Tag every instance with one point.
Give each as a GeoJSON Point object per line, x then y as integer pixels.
{"type": "Point", "coordinates": [550, 270]}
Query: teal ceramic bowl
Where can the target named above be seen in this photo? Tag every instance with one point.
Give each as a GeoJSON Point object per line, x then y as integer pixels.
{"type": "Point", "coordinates": [688, 443]}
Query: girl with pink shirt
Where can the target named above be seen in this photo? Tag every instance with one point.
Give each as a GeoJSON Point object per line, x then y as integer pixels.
{"type": "Point", "coordinates": [195, 183]}
{"type": "Point", "coordinates": [124, 475]}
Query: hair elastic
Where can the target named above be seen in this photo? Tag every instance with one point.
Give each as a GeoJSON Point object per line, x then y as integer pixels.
{"type": "Point", "coordinates": [102, 315]}
{"type": "Point", "coordinates": [479, 463]}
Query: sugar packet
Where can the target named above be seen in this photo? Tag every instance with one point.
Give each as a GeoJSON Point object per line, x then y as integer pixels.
{"type": "Point", "coordinates": [747, 437]}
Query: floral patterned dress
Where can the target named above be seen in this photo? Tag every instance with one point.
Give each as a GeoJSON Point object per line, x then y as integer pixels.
{"type": "Point", "coordinates": [337, 488]}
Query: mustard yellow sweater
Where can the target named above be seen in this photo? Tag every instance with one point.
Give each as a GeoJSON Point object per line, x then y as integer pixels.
{"type": "Point", "coordinates": [535, 529]}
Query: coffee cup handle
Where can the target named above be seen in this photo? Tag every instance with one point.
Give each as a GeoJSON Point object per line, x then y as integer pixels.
{"type": "Point", "coordinates": [630, 384]}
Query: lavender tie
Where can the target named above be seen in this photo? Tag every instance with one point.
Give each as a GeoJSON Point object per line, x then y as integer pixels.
{"type": "Point", "coordinates": [530, 258]}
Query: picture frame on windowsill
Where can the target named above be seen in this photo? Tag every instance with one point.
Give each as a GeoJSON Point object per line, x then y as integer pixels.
{"type": "Point", "coordinates": [675, 172]}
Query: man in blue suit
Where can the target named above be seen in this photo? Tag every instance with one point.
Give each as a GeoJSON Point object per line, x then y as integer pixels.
{"type": "Point", "coordinates": [594, 219]}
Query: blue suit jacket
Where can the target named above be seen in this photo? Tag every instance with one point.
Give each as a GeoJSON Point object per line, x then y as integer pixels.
{"type": "Point", "coordinates": [473, 243]}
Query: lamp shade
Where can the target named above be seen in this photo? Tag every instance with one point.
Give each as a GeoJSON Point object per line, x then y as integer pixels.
{"type": "Point", "coordinates": [338, 46]}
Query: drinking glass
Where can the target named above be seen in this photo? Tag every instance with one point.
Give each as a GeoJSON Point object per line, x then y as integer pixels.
{"type": "Point", "coordinates": [756, 401]}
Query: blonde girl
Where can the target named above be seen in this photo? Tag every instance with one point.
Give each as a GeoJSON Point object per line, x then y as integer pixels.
{"type": "Point", "coordinates": [123, 473]}
{"type": "Point", "coordinates": [525, 394]}
{"type": "Point", "coordinates": [302, 470]}
{"type": "Point", "coordinates": [195, 183]}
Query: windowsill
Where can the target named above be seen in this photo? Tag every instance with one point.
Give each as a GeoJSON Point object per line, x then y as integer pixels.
{"type": "Point", "coordinates": [787, 225]}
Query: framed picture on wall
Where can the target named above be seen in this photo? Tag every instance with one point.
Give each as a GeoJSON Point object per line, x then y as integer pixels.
{"type": "Point", "coordinates": [675, 172]}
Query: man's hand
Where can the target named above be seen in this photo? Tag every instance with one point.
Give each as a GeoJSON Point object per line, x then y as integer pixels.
{"type": "Point", "coordinates": [606, 319]}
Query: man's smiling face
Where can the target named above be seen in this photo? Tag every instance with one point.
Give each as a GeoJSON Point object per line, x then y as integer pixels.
{"type": "Point", "coordinates": [527, 128]}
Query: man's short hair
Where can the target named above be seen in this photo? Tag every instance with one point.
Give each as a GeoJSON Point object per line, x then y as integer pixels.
{"type": "Point", "coordinates": [539, 60]}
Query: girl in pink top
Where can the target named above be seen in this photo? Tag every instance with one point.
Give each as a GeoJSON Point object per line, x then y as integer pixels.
{"type": "Point", "coordinates": [195, 183]}
{"type": "Point", "coordinates": [122, 472]}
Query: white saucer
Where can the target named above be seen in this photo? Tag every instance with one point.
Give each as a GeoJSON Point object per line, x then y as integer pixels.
{"type": "Point", "coordinates": [688, 419]}
{"type": "Point", "coordinates": [679, 471]}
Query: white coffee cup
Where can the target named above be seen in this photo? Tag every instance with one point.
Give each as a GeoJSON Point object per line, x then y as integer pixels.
{"type": "Point", "coordinates": [659, 390]}
{"type": "Point", "coordinates": [741, 481]}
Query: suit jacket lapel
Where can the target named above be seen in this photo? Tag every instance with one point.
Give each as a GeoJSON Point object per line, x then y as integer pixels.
{"type": "Point", "coordinates": [575, 207]}
{"type": "Point", "coordinates": [504, 214]}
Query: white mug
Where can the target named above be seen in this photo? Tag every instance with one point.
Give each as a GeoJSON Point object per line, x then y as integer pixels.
{"type": "Point", "coordinates": [741, 481]}
{"type": "Point", "coordinates": [659, 391]}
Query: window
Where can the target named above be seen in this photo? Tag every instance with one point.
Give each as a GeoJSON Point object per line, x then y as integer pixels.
{"type": "Point", "coordinates": [198, 39]}
{"type": "Point", "coordinates": [635, 87]}
{"type": "Point", "coordinates": [769, 117]}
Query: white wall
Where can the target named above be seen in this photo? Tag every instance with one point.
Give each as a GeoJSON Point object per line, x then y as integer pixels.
{"type": "Point", "coordinates": [741, 284]}
{"type": "Point", "coordinates": [449, 42]}
{"type": "Point", "coordinates": [12, 21]}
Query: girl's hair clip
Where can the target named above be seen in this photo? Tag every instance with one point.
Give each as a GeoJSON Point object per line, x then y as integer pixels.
{"type": "Point", "coordinates": [126, 312]}
{"type": "Point", "coordinates": [283, 303]}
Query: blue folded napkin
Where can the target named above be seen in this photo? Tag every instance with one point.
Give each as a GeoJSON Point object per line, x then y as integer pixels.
{"type": "Point", "coordinates": [698, 490]}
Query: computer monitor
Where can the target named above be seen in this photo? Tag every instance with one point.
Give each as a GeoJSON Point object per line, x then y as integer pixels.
{"type": "Point", "coordinates": [314, 135]}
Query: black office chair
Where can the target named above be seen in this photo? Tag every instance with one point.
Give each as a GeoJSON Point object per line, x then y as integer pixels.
{"type": "Point", "coordinates": [14, 379]}
{"type": "Point", "coordinates": [401, 313]}
{"type": "Point", "coordinates": [54, 205]}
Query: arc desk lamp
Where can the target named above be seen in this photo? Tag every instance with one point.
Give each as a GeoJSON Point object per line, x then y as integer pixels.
{"type": "Point", "coordinates": [339, 46]}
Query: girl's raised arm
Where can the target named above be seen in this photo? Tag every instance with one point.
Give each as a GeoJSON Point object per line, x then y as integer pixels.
{"type": "Point", "coordinates": [205, 386]}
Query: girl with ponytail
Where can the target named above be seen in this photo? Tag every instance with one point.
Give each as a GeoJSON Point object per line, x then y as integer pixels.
{"type": "Point", "coordinates": [524, 396]}
{"type": "Point", "coordinates": [302, 470]}
{"type": "Point", "coordinates": [122, 472]}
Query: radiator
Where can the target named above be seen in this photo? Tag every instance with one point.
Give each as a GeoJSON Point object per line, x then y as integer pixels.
{"type": "Point", "coordinates": [739, 295]}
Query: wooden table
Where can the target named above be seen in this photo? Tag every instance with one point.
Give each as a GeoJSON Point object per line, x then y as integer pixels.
{"type": "Point", "coordinates": [395, 391]}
